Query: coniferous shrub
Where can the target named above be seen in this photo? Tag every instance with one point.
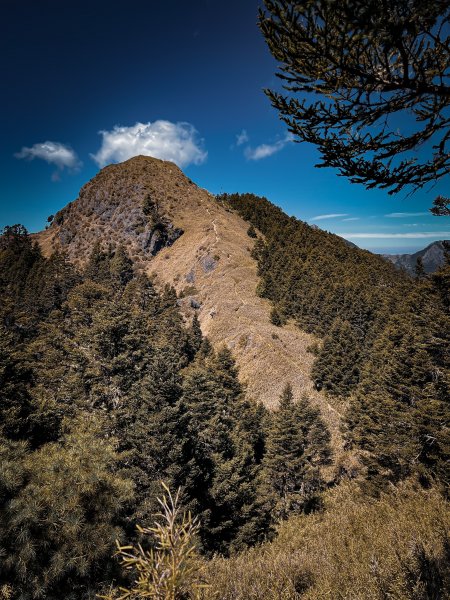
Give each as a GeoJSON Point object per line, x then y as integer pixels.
{"type": "Point", "coordinates": [251, 232]}
{"type": "Point", "coordinates": [171, 568]}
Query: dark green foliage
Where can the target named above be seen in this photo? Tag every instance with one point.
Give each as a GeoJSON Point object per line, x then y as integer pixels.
{"type": "Point", "coordinates": [59, 514]}
{"type": "Point", "coordinates": [98, 266]}
{"type": "Point", "coordinates": [350, 70]}
{"type": "Point", "coordinates": [121, 267]}
{"type": "Point", "coordinates": [104, 347]}
{"type": "Point", "coordinates": [385, 340]}
{"type": "Point", "coordinates": [227, 431]}
{"type": "Point", "coordinates": [19, 260]}
{"type": "Point", "coordinates": [336, 369]}
{"type": "Point", "coordinates": [318, 280]}
{"type": "Point", "coordinates": [251, 232]}
{"type": "Point", "coordinates": [400, 414]}
{"type": "Point", "coordinates": [297, 446]}
{"type": "Point", "coordinates": [48, 285]}
{"type": "Point", "coordinates": [105, 391]}
{"type": "Point", "coordinates": [15, 400]}
{"type": "Point", "coordinates": [196, 338]}
{"type": "Point", "coordinates": [15, 237]}
{"type": "Point", "coordinates": [419, 269]}
{"type": "Point", "coordinates": [276, 317]}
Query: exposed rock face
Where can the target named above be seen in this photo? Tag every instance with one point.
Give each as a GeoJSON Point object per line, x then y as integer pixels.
{"type": "Point", "coordinates": [161, 237]}
{"type": "Point", "coordinates": [114, 209]}
{"type": "Point", "coordinates": [145, 204]}
{"type": "Point", "coordinates": [432, 257]}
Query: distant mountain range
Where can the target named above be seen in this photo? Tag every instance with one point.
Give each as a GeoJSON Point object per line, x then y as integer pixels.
{"type": "Point", "coordinates": [432, 257]}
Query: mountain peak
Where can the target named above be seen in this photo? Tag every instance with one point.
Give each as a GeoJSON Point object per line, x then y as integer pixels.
{"type": "Point", "coordinates": [182, 236]}
{"type": "Point", "coordinates": [433, 257]}
{"type": "Point", "coordinates": [128, 204]}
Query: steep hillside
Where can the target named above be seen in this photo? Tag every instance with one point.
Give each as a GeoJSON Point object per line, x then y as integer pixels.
{"type": "Point", "coordinates": [108, 388]}
{"type": "Point", "coordinates": [178, 232]}
{"type": "Point", "coordinates": [385, 339]}
{"type": "Point", "coordinates": [432, 258]}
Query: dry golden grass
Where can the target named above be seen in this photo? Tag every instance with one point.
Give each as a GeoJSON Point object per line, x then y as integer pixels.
{"type": "Point", "coordinates": [356, 550]}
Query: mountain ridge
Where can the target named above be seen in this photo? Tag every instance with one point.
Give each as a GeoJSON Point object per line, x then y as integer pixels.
{"type": "Point", "coordinates": [432, 257]}
{"type": "Point", "coordinates": [209, 264]}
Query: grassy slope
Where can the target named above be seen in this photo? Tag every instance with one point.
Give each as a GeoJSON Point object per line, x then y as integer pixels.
{"type": "Point", "coordinates": [356, 549]}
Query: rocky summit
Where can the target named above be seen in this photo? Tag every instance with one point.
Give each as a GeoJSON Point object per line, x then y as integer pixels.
{"type": "Point", "coordinates": [433, 257]}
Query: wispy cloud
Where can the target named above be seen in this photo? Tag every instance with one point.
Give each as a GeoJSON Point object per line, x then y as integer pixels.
{"type": "Point", "coordinates": [242, 138]}
{"type": "Point", "coordinates": [330, 216]}
{"type": "Point", "coordinates": [400, 215]}
{"type": "Point", "coordinates": [54, 153]}
{"type": "Point", "coordinates": [351, 219]}
{"type": "Point", "coordinates": [412, 235]}
{"type": "Point", "coordinates": [265, 150]}
{"type": "Point", "coordinates": [177, 142]}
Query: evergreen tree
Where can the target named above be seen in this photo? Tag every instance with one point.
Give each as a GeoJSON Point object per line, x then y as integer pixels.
{"type": "Point", "coordinates": [195, 336]}
{"type": "Point", "coordinates": [297, 446]}
{"type": "Point", "coordinates": [121, 267]}
{"type": "Point", "coordinates": [336, 368]}
{"type": "Point", "coordinates": [399, 414]}
{"type": "Point", "coordinates": [318, 281]}
{"type": "Point", "coordinates": [251, 232]}
{"type": "Point", "coordinates": [98, 267]}
{"type": "Point", "coordinates": [276, 317]}
{"type": "Point", "coordinates": [15, 377]}
{"type": "Point", "coordinates": [59, 515]}
{"type": "Point", "coordinates": [233, 509]}
{"type": "Point", "coordinates": [419, 269]}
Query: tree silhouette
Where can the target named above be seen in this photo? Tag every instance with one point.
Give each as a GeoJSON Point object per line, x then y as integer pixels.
{"type": "Point", "coordinates": [366, 64]}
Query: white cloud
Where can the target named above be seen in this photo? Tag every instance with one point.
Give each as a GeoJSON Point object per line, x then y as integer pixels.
{"type": "Point", "coordinates": [242, 138]}
{"type": "Point", "coordinates": [54, 153]}
{"type": "Point", "coordinates": [351, 219]}
{"type": "Point", "coordinates": [265, 150]}
{"type": "Point", "coordinates": [330, 216]}
{"type": "Point", "coordinates": [412, 235]}
{"type": "Point", "coordinates": [400, 215]}
{"type": "Point", "coordinates": [177, 142]}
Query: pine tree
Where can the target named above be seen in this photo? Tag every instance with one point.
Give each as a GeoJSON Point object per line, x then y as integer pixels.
{"type": "Point", "coordinates": [195, 336]}
{"type": "Point", "coordinates": [98, 267]}
{"type": "Point", "coordinates": [232, 507]}
{"type": "Point", "coordinates": [251, 232]}
{"type": "Point", "coordinates": [398, 415]}
{"type": "Point", "coordinates": [419, 269]}
{"type": "Point", "coordinates": [337, 366]}
{"type": "Point", "coordinates": [15, 376]}
{"type": "Point", "coordinates": [59, 518]}
{"type": "Point", "coordinates": [297, 446]}
{"type": "Point", "coordinates": [121, 267]}
{"type": "Point", "coordinates": [276, 318]}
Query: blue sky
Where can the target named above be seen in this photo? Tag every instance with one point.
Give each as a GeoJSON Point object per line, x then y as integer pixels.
{"type": "Point", "coordinates": [176, 79]}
